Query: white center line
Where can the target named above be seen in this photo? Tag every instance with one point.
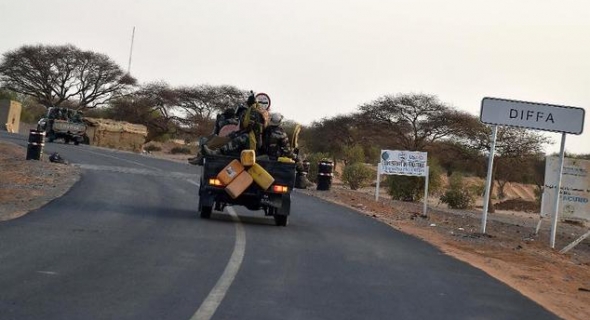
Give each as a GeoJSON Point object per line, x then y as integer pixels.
{"type": "Point", "coordinates": [209, 306]}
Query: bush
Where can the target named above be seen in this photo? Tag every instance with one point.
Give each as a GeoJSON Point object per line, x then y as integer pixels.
{"type": "Point", "coordinates": [357, 175]}
{"type": "Point", "coordinates": [181, 150]}
{"type": "Point", "coordinates": [457, 198]}
{"type": "Point", "coordinates": [152, 147]}
{"type": "Point", "coordinates": [354, 154]}
{"type": "Point", "coordinates": [409, 188]}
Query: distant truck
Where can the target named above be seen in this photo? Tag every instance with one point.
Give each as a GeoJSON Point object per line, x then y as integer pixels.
{"type": "Point", "coordinates": [63, 123]}
{"type": "Point", "coordinates": [275, 201]}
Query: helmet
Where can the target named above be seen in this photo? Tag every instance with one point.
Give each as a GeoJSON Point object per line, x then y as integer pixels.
{"type": "Point", "coordinates": [275, 119]}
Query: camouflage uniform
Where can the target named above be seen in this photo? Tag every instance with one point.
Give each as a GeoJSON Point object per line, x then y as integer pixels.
{"type": "Point", "coordinates": [252, 124]}
{"type": "Point", "coordinates": [253, 120]}
{"type": "Point", "coordinates": [276, 143]}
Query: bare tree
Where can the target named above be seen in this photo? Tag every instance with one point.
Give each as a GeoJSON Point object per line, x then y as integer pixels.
{"type": "Point", "coordinates": [60, 75]}
{"type": "Point", "coordinates": [414, 120]}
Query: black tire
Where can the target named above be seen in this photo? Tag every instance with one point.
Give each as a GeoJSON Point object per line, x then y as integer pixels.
{"type": "Point", "coordinates": [205, 212]}
{"type": "Point", "coordinates": [281, 220]}
{"type": "Point", "coordinates": [67, 140]}
{"type": "Point", "coordinates": [77, 141]}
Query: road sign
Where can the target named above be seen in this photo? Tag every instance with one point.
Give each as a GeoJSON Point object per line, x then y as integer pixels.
{"type": "Point", "coordinates": [408, 163]}
{"type": "Point", "coordinates": [532, 115]}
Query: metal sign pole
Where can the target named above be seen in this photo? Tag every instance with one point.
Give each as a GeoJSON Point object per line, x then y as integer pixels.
{"type": "Point", "coordinates": [558, 190]}
{"type": "Point", "coordinates": [486, 198]}
{"type": "Point", "coordinates": [426, 192]}
{"type": "Point", "coordinates": [378, 180]}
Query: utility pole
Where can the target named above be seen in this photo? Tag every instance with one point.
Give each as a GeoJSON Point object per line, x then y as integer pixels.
{"type": "Point", "coordinates": [131, 51]}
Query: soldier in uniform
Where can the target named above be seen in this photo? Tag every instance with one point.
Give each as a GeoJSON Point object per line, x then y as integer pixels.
{"type": "Point", "coordinates": [276, 140]}
{"type": "Point", "coordinates": [227, 117]}
{"type": "Point", "coordinates": [253, 120]}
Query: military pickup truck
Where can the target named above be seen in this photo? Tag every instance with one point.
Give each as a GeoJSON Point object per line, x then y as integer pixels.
{"type": "Point", "coordinates": [274, 201]}
{"type": "Point", "coordinates": [62, 123]}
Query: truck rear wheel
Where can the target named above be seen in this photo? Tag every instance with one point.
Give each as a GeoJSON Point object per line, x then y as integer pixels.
{"type": "Point", "coordinates": [281, 214]}
{"type": "Point", "coordinates": [205, 212]}
{"type": "Point", "coordinates": [281, 220]}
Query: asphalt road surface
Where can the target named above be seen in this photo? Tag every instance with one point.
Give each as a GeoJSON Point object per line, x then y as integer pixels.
{"type": "Point", "coordinates": [126, 242]}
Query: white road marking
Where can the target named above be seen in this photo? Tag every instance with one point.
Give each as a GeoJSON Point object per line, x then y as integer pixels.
{"type": "Point", "coordinates": [213, 300]}
{"type": "Point", "coordinates": [51, 273]}
{"type": "Point", "coordinates": [120, 159]}
{"type": "Point", "coordinates": [169, 174]}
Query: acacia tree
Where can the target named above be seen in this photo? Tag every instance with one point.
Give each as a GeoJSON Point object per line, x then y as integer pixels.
{"type": "Point", "coordinates": [198, 105]}
{"type": "Point", "coordinates": [178, 111]}
{"type": "Point", "coordinates": [414, 120]}
{"type": "Point", "coordinates": [513, 146]}
{"type": "Point", "coordinates": [63, 75]}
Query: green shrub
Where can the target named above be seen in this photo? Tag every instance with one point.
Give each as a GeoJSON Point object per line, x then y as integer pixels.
{"type": "Point", "coordinates": [152, 147]}
{"type": "Point", "coordinates": [458, 196]}
{"type": "Point", "coordinates": [354, 154]}
{"type": "Point", "coordinates": [181, 150]}
{"type": "Point", "coordinates": [457, 199]}
{"type": "Point", "coordinates": [357, 175]}
{"type": "Point", "coordinates": [409, 188]}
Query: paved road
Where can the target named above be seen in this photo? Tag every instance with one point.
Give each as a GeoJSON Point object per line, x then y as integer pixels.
{"type": "Point", "coordinates": [126, 243]}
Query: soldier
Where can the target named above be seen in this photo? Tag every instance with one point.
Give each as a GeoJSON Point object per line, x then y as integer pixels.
{"type": "Point", "coordinates": [228, 117]}
{"type": "Point", "coordinates": [253, 121]}
{"type": "Point", "coordinates": [276, 140]}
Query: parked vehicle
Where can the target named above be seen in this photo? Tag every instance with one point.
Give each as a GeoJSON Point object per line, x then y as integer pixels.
{"type": "Point", "coordinates": [62, 123]}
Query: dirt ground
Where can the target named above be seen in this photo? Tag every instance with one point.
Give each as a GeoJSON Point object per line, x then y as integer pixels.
{"type": "Point", "coordinates": [509, 251]}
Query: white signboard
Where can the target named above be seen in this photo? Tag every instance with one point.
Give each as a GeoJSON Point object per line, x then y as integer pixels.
{"type": "Point", "coordinates": [575, 188]}
{"type": "Point", "coordinates": [532, 115]}
{"type": "Point", "coordinates": [408, 163]}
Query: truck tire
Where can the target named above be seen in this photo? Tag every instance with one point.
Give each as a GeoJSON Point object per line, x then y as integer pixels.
{"type": "Point", "coordinates": [76, 141]}
{"type": "Point", "coordinates": [67, 140]}
{"type": "Point", "coordinates": [281, 214]}
{"type": "Point", "coordinates": [205, 211]}
{"type": "Point", "coordinates": [281, 220]}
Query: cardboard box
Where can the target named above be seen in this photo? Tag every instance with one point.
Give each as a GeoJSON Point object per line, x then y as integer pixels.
{"type": "Point", "coordinates": [230, 172]}
{"type": "Point", "coordinates": [248, 157]}
{"type": "Point", "coordinates": [261, 176]}
{"type": "Point", "coordinates": [239, 185]}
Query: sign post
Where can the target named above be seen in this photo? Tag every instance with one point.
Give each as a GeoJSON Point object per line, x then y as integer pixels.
{"type": "Point", "coordinates": [532, 115]}
{"type": "Point", "coordinates": [486, 198]}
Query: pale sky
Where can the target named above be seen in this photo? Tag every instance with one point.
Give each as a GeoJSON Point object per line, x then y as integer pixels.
{"type": "Point", "coordinates": [322, 58]}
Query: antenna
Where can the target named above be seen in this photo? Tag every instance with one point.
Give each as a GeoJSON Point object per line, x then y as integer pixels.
{"type": "Point", "coordinates": [131, 50]}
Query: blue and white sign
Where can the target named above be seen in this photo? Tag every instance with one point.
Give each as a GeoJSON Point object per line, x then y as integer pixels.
{"type": "Point", "coordinates": [407, 163]}
{"type": "Point", "coordinates": [575, 188]}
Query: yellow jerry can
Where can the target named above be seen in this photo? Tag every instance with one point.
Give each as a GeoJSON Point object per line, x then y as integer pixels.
{"type": "Point", "coordinates": [261, 176]}
{"type": "Point", "coordinates": [239, 185]}
{"type": "Point", "coordinates": [248, 157]}
{"type": "Point", "coordinates": [230, 172]}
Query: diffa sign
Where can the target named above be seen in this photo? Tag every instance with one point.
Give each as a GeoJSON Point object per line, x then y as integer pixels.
{"type": "Point", "coordinates": [532, 115]}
